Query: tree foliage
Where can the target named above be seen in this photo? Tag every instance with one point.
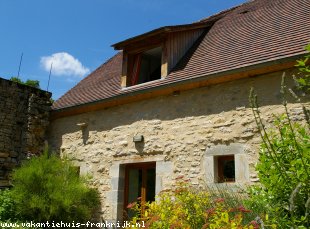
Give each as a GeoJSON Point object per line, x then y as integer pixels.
{"type": "Point", "coordinates": [28, 82]}
{"type": "Point", "coordinates": [303, 78]}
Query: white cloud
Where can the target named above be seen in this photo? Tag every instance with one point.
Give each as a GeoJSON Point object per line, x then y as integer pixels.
{"type": "Point", "coordinates": [64, 64]}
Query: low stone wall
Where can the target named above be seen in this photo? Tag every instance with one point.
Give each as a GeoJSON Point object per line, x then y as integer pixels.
{"type": "Point", "coordinates": [24, 118]}
{"type": "Point", "coordinates": [183, 134]}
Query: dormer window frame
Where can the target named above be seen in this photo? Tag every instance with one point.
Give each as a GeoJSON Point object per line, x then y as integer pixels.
{"type": "Point", "coordinates": [128, 56]}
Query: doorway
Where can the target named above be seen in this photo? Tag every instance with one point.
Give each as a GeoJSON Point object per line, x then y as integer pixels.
{"type": "Point", "coordinates": [140, 184]}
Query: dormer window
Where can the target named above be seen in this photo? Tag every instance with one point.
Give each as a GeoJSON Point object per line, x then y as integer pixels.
{"type": "Point", "coordinates": [152, 55]}
{"type": "Point", "coordinates": [144, 66]}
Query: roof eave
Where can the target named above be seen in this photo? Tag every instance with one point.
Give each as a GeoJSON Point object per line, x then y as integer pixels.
{"type": "Point", "coordinates": [162, 30]}
{"type": "Point", "coordinates": [286, 63]}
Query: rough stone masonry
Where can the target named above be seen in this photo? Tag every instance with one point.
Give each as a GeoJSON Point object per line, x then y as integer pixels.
{"type": "Point", "coordinates": [24, 118]}
{"type": "Point", "coordinates": [183, 134]}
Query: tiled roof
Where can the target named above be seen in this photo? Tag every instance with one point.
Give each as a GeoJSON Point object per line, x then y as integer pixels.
{"type": "Point", "coordinates": [255, 32]}
{"type": "Point", "coordinates": [104, 82]}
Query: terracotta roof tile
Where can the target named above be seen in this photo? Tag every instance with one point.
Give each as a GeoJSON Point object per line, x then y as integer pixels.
{"type": "Point", "coordinates": [254, 32]}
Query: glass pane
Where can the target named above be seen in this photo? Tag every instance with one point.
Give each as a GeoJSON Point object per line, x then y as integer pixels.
{"type": "Point", "coordinates": [140, 181]}
{"type": "Point", "coordinates": [150, 184]}
{"type": "Point", "coordinates": [134, 187]}
{"type": "Point", "coordinates": [134, 182]}
{"type": "Point", "coordinates": [229, 170]}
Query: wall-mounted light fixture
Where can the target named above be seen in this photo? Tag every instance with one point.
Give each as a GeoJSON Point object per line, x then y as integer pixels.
{"type": "Point", "coordinates": [138, 138]}
{"type": "Point", "coordinates": [82, 125]}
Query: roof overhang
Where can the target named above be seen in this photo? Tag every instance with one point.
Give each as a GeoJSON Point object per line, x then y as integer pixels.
{"type": "Point", "coordinates": [160, 32]}
{"type": "Point", "coordinates": [275, 65]}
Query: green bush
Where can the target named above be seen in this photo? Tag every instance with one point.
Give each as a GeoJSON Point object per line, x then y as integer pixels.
{"type": "Point", "coordinates": [259, 200]}
{"type": "Point", "coordinates": [48, 188]}
{"type": "Point", "coordinates": [283, 169]}
{"type": "Point", "coordinates": [7, 206]}
{"type": "Point", "coordinates": [284, 161]}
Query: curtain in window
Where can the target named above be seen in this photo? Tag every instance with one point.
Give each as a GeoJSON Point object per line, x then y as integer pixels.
{"type": "Point", "coordinates": [136, 69]}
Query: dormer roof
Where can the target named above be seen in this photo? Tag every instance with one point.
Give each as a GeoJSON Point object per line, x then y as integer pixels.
{"type": "Point", "coordinates": [160, 32]}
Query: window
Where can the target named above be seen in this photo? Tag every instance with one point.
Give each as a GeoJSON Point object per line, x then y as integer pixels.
{"type": "Point", "coordinates": [144, 66]}
{"type": "Point", "coordinates": [139, 183]}
{"type": "Point", "coordinates": [226, 164]}
{"type": "Point", "coordinates": [226, 168]}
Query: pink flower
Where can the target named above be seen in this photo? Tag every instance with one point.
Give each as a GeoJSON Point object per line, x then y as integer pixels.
{"type": "Point", "coordinates": [219, 200]}
{"type": "Point", "coordinates": [254, 224]}
{"type": "Point", "coordinates": [165, 190]}
{"type": "Point", "coordinates": [243, 209]}
{"type": "Point", "coordinates": [131, 205]}
{"type": "Point", "coordinates": [179, 177]}
{"type": "Point", "coordinates": [210, 210]}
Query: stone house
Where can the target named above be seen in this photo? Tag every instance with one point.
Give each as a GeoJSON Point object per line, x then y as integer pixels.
{"type": "Point", "coordinates": [174, 101]}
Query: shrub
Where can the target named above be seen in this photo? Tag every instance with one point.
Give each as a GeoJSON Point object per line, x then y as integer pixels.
{"type": "Point", "coordinates": [48, 188]}
{"type": "Point", "coordinates": [7, 206]}
{"type": "Point", "coordinates": [261, 201]}
{"type": "Point", "coordinates": [284, 163]}
{"type": "Point", "coordinates": [285, 171]}
{"type": "Point", "coordinates": [187, 207]}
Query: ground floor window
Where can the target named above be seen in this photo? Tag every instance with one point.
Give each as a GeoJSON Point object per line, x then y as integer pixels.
{"type": "Point", "coordinates": [226, 168]}
{"type": "Point", "coordinates": [226, 164]}
{"type": "Point", "coordinates": [139, 183]}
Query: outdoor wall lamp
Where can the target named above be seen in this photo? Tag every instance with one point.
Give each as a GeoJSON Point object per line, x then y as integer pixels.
{"type": "Point", "coordinates": [82, 125]}
{"type": "Point", "coordinates": [138, 138]}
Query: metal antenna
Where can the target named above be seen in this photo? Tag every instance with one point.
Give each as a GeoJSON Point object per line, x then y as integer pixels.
{"type": "Point", "coordinates": [49, 77]}
{"type": "Point", "coordinates": [20, 64]}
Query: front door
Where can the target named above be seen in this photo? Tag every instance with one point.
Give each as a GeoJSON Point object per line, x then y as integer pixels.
{"type": "Point", "coordinates": [139, 185]}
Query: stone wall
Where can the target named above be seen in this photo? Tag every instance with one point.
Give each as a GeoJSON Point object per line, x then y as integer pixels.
{"type": "Point", "coordinates": [182, 134]}
{"type": "Point", "coordinates": [24, 118]}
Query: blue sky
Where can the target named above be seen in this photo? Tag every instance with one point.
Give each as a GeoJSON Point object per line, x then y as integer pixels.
{"type": "Point", "coordinates": [76, 35]}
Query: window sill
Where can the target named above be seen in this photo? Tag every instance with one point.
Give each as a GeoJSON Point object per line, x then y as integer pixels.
{"type": "Point", "coordinates": [138, 85]}
{"type": "Point", "coordinates": [234, 186]}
